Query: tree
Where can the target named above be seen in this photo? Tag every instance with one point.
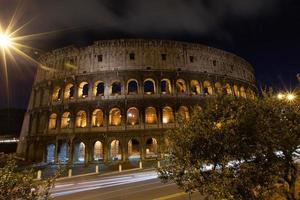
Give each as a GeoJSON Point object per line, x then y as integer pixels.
{"type": "Point", "coordinates": [227, 150]}
{"type": "Point", "coordinates": [21, 184]}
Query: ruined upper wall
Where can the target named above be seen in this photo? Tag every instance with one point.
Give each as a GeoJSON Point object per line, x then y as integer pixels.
{"type": "Point", "coordinates": [113, 55]}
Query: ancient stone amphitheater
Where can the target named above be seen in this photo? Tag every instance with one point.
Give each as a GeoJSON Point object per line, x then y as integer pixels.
{"type": "Point", "coordinates": [115, 99]}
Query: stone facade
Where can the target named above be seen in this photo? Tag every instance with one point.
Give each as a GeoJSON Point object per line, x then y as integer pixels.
{"type": "Point", "coordinates": [115, 99]}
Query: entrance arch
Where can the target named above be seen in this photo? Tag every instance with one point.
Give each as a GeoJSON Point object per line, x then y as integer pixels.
{"type": "Point", "coordinates": [98, 151]}
{"type": "Point", "coordinates": [115, 152]}
{"type": "Point", "coordinates": [79, 152]}
{"type": "Point", "coordinates": [151, 148]}
{"type": "Point", "coordinates": [50, 153]}
{"type": "Point", "coordinates": [134, 149]}
{"type": "Point", "coordinates": [63, 152]}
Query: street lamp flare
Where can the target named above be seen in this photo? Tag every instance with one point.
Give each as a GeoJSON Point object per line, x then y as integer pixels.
{"type": "Point", "coordinates": [5, 40]}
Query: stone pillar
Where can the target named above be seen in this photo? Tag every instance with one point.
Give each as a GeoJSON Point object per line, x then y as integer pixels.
{"type": "Point", "coordinates": [56, 152]}
{"type": "Point", "coordinates": [143, 149]}
{"type": "Point", "coordinates": [70, 151]}
{"type": "Point", "coordinates": [105, 151]}
{"type": "Point", "coordinates": [124, 152]}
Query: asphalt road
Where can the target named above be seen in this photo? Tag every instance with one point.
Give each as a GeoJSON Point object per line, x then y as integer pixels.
{"type": "Point", "coordinates": [131, 186]}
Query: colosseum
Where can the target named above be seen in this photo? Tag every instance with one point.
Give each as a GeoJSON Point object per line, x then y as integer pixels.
{"type": "Point", "coordinates": [115, 99]}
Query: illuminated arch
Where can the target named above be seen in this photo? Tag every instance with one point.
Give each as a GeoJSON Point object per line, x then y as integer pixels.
{"type": "Point", "coordinates": [134, 148]}
{"type": "Point", "coordinates": [150, 115]}
{"type": "Point", "coordinates": [81, 119]}
{"type": "Point", "coordinates": [69, 91]}
{"type": "Point", "coordinates": [97, 118]}
{"type": "Point", "coordinates": [132, 116]}
{"type": "Point", "coordinates": [83, 89]}
{"type": "Point", "coordinates": [151, 148]}
{"type": "Point", "coordinates": [165, 86]}
{"type": "Point", "coordinates": [218, 87]}
{"type": "Point", "coordinates": [228, 89]}
{"type": "Point", "coordinates": [149, 86]}
{"type": "Point", "coordinates": [52, 121]}
{"type": "Point", "coordinates": [115, 150]}
{"type": "Point", "coordinates": [195, 87]}
{"type": "Point", "coordinates": [207, 88]}
{"type": "Point", "coordinates": [79, 152]}
{"type": "Point", "coordinates": [115, 117]}
{"type": "Point", "coordinates": [243, 92]}
{"type": "Point", "coordinates": [98, 151]}
{"type": "Point", "coordinates": [98, 88]}
{"type": "Point", "coordinates": [50, 153]}
{"type": "Point", "coordinates": [168, 116]}
{"type": "Point", "coordinates": [236, 91]}
{"type": "Point", "coordinates": [66, 120]}
{"type": "Point", "coordinates": [183, 112]}
{"type": "Point", "coordinates": [132, 86]}
{"type": "Point", "coordinates": [115, 88]}
{"type": "Point", "coordinates": [56, 95]}
{"type": "Point", "coordinates": [180, 86]}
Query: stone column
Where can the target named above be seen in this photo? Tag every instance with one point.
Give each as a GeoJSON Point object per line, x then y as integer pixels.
{"type": "Point", "coordinates": [70, 151]}
{"type": "Point", "coordinates": [56, 152]}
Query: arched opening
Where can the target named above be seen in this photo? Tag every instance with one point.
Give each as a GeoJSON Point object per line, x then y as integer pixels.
{"type": "Point", "coordinates": [150, 115]}
{"type": "Point", "coordinates": [81, 119]}
{"type": "Point", "coordinates": [149, 86]}
{"type": "Point", "coordinates": [132, 116]}
{"type": "Point", "coordinates": [180, 86]}
{"type": "Point", "coordinates": [195, 87]}
{"type": "Point", "coordinates": [132, 87]}
{"type": "Point", "coordinates": [52, 121]}
{"type": "Point", "coordinates": [56, 95]}
{"type": "Point", "coordinates": [116, 88]}
{"type": "Point", "coordinates": [236, 91]}
{"type": "Point", "coordinates": [151, 148]}
{"type": "Point", "coordinates": [62, 152]}
{"type": "Point", "coordinates": [115, 150]}
{"type": "Point", "coordinates": [98, 89]}
{"type": "Point", "coordinates": [183, 113]}
{"type": "Point", "coordinates": [115, 117]}
{"type": "Point", "coordinates": [98, 151]}
{"type": "Point", "coordinates": [218, 87]}
{"type": "Point", "coordinates": [165, 86]}
{"type": "Point", "coordinates": [97, 118]}
{"type": "Point", "coordinates": [66, 120]}
{"type": "Point", "coordinates": [168, 116]}
{"type": "Point", "coordinates": [207, 88]}
{"type": "Point", "coordinates": [79, 152]}
{"type": "Point", "coordinates": [134, 149]}
{"type": "Point", "coordinates": [69, 91]}
{"type": "Point", "coordinates": [228, 89]}
{"type": "Point", "coordinates": [83, 89]}
{"type": "Point", "coordinates": [50, 152]}
{"type": "Point", "coordinates": [243, 92]}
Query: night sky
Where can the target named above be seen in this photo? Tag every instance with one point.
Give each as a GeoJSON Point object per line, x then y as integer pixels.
{"type": "Point", "coordinates": [264, 32]}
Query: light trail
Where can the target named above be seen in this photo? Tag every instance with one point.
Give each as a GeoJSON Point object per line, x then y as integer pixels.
{"type": "Point", "coordinates": [71, 188]}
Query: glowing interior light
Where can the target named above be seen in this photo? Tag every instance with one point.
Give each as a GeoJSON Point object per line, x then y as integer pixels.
{"type": "Point", "coordinates": [5, 40]}
{"type": "Point", "coordinates": [290, 97]}
{"type": "Point", "coordinates": [280, 96]}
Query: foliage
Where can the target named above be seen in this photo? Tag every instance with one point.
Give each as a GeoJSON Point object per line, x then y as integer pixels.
{"type": "Point", "coordinates": [16, 184]}
{"type": "Point", "coordinates": [236, 148]}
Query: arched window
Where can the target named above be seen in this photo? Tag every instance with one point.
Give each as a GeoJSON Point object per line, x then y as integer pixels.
{"type": "Point", "coordinates": [236, 91]}
{"type": "Point", "coordinates": [66, 120]}
{"type": "Point", "coordinates": [97, 118]}
{"type": "Point", "coordinates": [69, 91]}
{"type": "Point", "coordinates": [79, 152]}
{"type": "Point", "coordinates": [50, 153]}
{"type": "Point", "coordinates": [218, 87]}
{"type": "Point", "coordinates": [228, 89]}
{"type": "Point", "coordinates": [83, 89]}
{"type": "Point", "coordinates": [150, 115]}
{"type": "Point", "coordinates": [134, 149]}
{"type": "Point", "coordinates": [151, 147]}
{"type": "Point", "coordinates": [52, 121]}
{"type": "Point", "coordinates": [98, 89]}
{"type": "Point", "coordinates": [149, 86]}
{"type": "Point", "coordinates": [207, 88]}
{"type": "Point", "coordinates": [132, 87]}
{"type": "Point", "coordinates": [132, 116]}
{"type": "Point", "coordinates": [116, 88]}
{"type": "Point", "coordinates": [183, 112]}
{"type": "Point", "coordinates": [243, 92]}
{"type": "Point", "coordinates": [81, 119]}
{"type": "Point", "coordinates": [165, 86]}
{"type": "Point", "coordinates": [168, 116]}
{"type": "Point", "coordinates": [56, 95]}
{"type": "Point", "coordinates": [115, 117]}
{"type": "Point", "coordinates": [195, 87]}
{"type": "Point", "coordinates": [180, 86]}
{"type": "Point", "coordinates": [98, 151]}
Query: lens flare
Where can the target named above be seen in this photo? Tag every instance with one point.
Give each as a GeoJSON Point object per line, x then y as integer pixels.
{"type": "Point", "coordinates": [5, 40]}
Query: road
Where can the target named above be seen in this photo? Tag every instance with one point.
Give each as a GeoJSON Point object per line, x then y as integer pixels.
{"type": "Point", "coordinates": [131, 186]}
